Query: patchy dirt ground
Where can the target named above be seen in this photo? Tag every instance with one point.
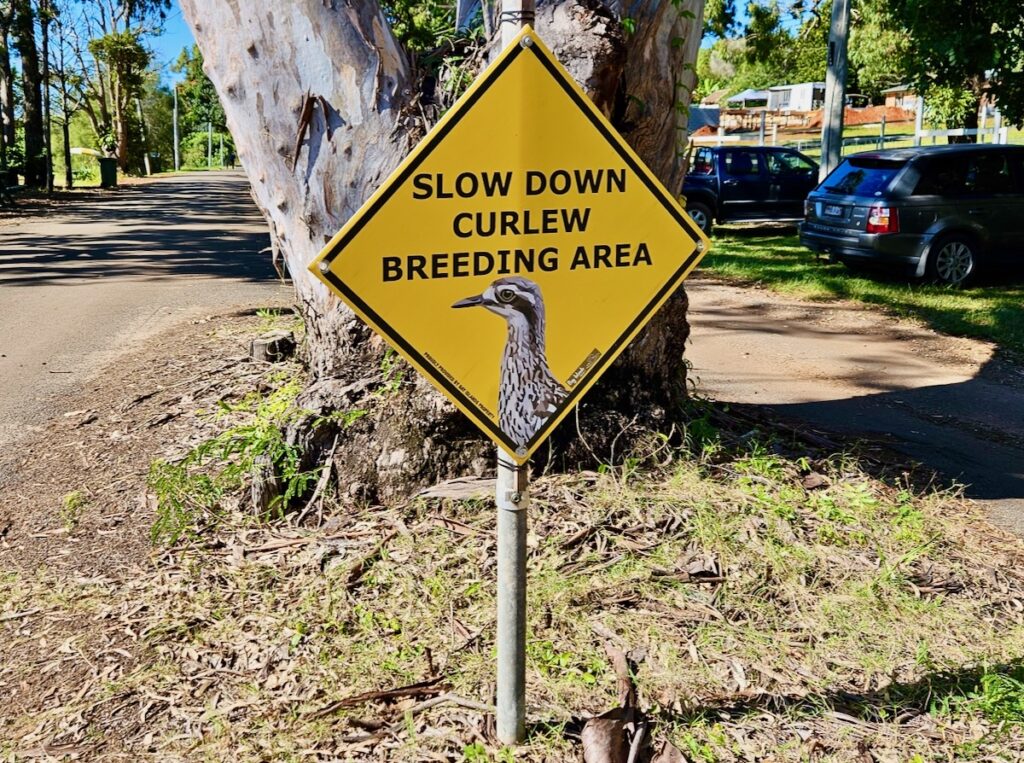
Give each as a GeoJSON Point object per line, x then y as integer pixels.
{"type": "Point", "coordinates": [91, 459]}
{"type": "Point", "coordinates": [954, 404]}
{"type": "Point", "coordinates": [778, 603]}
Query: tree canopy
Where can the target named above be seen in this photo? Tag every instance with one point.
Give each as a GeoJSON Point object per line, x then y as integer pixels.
{"type": "Point", "coordinates": [953, 52]}
{"type": "Point", "coordinates": [973, 47]}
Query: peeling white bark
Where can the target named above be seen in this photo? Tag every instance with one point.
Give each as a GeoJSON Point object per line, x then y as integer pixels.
{"type": "Point", "coordinates": [334, 66]}
{"type": "Point", "coordinates": [338, 64]}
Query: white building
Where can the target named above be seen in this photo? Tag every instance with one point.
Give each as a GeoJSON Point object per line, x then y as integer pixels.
{"type": "Point", "coordinates": [805, 96]}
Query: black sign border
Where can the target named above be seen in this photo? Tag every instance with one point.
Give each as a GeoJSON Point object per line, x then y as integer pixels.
{"type": "Point", "coordinates": [422, 152]}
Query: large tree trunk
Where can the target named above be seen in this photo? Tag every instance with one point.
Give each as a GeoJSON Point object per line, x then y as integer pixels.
{"type": "Point", "coordinates": [338, 64]}
{"type": "Point", "coordinates": [6, 89]}
{"type": "Point", "coordinates": [121, 126]}
{"type": "Point", "coordinates": [32, 86]}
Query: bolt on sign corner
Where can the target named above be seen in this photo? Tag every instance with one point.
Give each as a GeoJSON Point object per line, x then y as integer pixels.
{"type": "Point", "coordinates": [516, 251]}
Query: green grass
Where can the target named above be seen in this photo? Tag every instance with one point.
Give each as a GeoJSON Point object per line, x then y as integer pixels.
{"type": "Point", "coordinates": [857, 598]}
{"type": "Point", "coordinates": [992, 310]}
{"type": "Point", "coordinates": [755, 606]}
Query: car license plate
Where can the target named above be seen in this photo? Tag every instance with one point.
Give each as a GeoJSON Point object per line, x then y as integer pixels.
{"type": "Point", "coordinates": [833, 210]}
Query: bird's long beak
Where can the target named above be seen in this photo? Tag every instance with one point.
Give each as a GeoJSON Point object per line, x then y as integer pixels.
{"type": "Point", "coordinates": [470, 301]}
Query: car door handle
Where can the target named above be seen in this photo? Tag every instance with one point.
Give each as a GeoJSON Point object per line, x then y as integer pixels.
{"type": "Point", "coordinates": [731, 182]}
{"type": "Point", "coordinates": [975, 211]}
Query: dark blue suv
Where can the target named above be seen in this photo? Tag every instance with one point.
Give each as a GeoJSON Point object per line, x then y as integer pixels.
{"type": "Point", "coordinates": [730, 184]}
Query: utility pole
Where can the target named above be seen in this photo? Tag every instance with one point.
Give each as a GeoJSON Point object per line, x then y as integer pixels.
{"type": "Point", "coordinates": [145, 138]}
{"type": "Point", "coordinates": [918, 120]}
{"type": "Point", "coordinates": [177, 139]}
{"type": "Point", "coordinates": [512, 496]}
{"type": "Point", "coordinates": [209, 145]}
{"type": "Point", "coordinates": [835, 89]}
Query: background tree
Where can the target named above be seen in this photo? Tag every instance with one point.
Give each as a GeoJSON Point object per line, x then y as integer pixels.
{"type": "Point", "coordinates": [122, 61]}
{"type": "Point", "coordinates": [199, 110]}
{"type": "Point", "coordinates": [267, 65]}
{"type": "Point", "coordinates": [953, 52]}
{"type": "Point", "coordinates": [67, 83]}
{"type": "Point", "coordinates": [109, 47]}
{"type": "Point", "coordinates": [957, 47]}
{"type": "Point", "coordinates": [776, 45]}
{"type": "Point", "coordinates": [24, 28]}
{"type": "Point", "coordinates": [7, 124]}
{"type": "Point", "coordinates": [878, 48]}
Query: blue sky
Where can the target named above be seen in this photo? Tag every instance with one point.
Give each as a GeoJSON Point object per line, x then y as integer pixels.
{"type": "Point", "coordinates": [167, 46]}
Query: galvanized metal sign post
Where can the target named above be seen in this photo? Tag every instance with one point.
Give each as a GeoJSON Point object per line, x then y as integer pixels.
{"type": "Point", "coordinates": [511, 258]}
{"type": "Point", "coordinates": [512, 497]}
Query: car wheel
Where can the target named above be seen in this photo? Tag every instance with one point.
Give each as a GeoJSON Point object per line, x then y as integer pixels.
{"type": "Point", "coordinates": [953, 261]}
{"type": "Point", "coordinates": [701, 215]}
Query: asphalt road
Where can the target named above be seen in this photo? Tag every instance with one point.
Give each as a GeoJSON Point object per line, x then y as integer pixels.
{"type": "Point", "coordinates": [80, 284]}
{"type": "Point", "coordinates": [952, 404]}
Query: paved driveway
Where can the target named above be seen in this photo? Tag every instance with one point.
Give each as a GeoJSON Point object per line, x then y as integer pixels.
{"type": "Point", "coordinates": [950, 403]}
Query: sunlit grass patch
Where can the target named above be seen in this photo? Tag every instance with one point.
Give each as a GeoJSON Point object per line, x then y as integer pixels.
{"type": "Point", "coordinates": [993, 310]}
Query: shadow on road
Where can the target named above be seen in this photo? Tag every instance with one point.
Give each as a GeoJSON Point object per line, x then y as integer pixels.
{"type": "Point", "coordinates": [169, 228]}
{"type": "Point", "coordinates": [951, 405]}
{"type": "Point", "coordinates": [971, 432]}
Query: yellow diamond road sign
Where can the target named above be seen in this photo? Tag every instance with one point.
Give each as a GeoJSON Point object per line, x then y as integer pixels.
{"type": "Point", "coordinates": [516, 251]}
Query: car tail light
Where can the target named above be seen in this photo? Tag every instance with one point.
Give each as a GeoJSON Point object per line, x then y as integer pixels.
{"type": "Point", "coordinates": [882, 219]}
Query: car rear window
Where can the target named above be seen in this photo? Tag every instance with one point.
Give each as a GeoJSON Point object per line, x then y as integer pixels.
{"type": "Point", "coordinates": [862, 177]}
{"type": "Point", "coordinates": [966, 175]}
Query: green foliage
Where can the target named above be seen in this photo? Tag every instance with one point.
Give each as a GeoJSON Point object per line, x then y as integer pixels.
{"type": "Point", "coordinates": [191, 489]}
{"type": "Point", "coordinates": [951, 51]}
{"type": "Point", "coordinates": [965, 45]}
{"type": "Point", "coordinates": [564, 665]}
{"type": "Point", "coordinates": [158, 109]}
{"type": "Point", "coordinates": [420, 25]}
{"type": "Point", "coordinates": [198, 102]}
{"type": "Point", "coordinates": [998, 695]}
{"type": "Point", "coordinates": [198, 107]}
{"type": "Point", "coordinates": [71, 509]}
{"type": "Point", "coordinates": [125, 56]}
{"type": "Point", "coordinates": [475, 753]}
{"type": "Point", "coordinates": [878, 48]}
{"type": "Point", "coordinates": [766, 54]}
{"type": "Point", "coordinates": [195, 145]}
{"type": "Point", "coordinates": [719, 17]}
{"type": "Point", "coordinates": [951, 106]}
{"type": "Point", "coordinates": [393, 372]}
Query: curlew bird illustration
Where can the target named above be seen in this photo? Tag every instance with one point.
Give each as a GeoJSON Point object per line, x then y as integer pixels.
{"type": "Point", "coordinates": [528, 393]}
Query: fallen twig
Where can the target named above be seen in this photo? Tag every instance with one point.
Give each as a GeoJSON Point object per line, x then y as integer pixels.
{"type": "Point", "coordinates": [415, 710]}
{"type": "Point", "coordinates": [423, 688]}
{"type": "Point", "coordinates": [17, 615]}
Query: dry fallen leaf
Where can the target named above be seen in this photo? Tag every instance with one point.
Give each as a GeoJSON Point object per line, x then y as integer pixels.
{"type": "Point", "coordinates": [668, 753]}
{"type": "Point", "coordinates": [604, 737]}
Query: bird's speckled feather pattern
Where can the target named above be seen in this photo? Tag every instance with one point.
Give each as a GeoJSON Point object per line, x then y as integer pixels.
{"type": "Point", "coordinates": [528, 393]}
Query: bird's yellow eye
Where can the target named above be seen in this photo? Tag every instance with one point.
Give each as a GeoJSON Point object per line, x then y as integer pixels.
{"type": "Point", "coordinates": [506, 295]}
